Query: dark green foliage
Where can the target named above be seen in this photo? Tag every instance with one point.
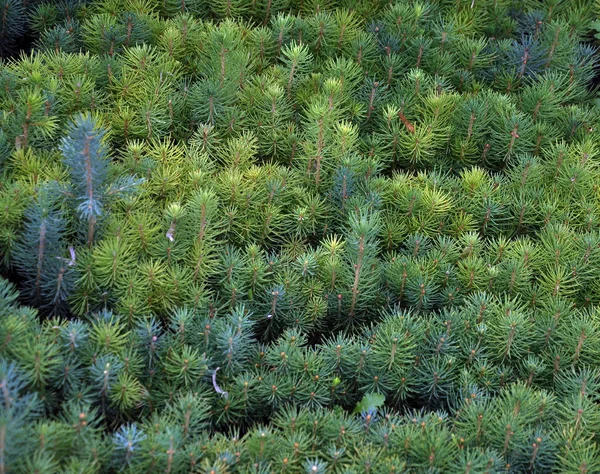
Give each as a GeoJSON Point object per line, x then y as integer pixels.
{"type": "Point", "coordinates": [12, 23]}
{"type": "Point", "coordinates": [41, 254]}
{"type": "Point", "coordinates": [317, 236]}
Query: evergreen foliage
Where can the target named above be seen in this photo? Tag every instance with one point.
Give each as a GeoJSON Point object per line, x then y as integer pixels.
{"type": "Point", "coordinates": [318, 236]}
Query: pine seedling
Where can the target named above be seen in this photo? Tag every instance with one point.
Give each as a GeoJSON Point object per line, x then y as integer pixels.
{"type": "Point", "coordinates": [181, 39]}
{"type": "Point", "coordinates": [44, 16]}
{"type": "Point", "coordinates": [296, 58]}
{"type": "Point", "coordinates": [364, 266]}
{"type": "Point", "coordinates": [232, 339]}
{"type": "Point", "coordinates": [40, 257]}
{"type": "Point", "coordinates": [60, 38]}
{"type": "Point", "coordinates": [127, 442]}
{"type": "Point", "coordinates": [85, 154]}
{"type": "Point", "coordinates": [32, 122]}
{"type": "Point", "coordinates": [579, 455]}
{"type": "Point", "coordinates": [18, 410]}
{"type": "Point", "coordinates": [185, 366]}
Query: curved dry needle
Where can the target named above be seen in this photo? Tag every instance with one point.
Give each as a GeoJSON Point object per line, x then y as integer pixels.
{"type": "Point", "coordinates": [216, 387]}
{"type": "Point", "coordinates": [71, 261]}
{"type": "Point", "coordinates": [171, 232]}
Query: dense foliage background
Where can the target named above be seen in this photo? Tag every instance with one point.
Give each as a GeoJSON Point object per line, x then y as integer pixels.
{"type": "Point", "coordinates": [268, 236]}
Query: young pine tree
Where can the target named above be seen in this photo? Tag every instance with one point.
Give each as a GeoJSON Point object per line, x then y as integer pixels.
{"type": "Point", "coordinates": [40, 256]}
{"type": "Point", "coordinates": [86, 155]}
